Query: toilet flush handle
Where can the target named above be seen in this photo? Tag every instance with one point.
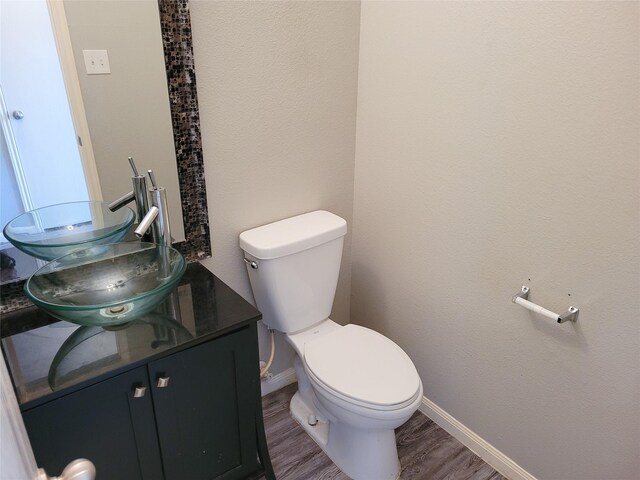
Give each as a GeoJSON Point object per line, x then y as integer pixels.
{"type": "Point", "coordinates": [251, 263]}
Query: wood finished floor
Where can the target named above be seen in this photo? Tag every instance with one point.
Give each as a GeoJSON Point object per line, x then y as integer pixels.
{"type": "Point", "coordinates": [426, 451]}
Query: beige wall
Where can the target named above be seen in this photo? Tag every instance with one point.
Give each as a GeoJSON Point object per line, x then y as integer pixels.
{"type": "Point", "coordinates": [277, 94]}
{"type": "Point", "coordinates": [498, 145]}
{"type": "Point", "coordinates": [127, 111]}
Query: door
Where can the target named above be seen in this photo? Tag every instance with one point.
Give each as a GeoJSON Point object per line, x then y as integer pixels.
{"type": "Point", "coordinates": [110, 423]}
{"type": "Point", "coordinates": [36, 118]}
{"type": "Point", "coordinates": [204, 399]}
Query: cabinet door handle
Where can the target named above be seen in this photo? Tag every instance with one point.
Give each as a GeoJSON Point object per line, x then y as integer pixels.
{"type": "Point", "coordinates": [139, 392]}
{"type": "Point", "coordinates": [163, 382]}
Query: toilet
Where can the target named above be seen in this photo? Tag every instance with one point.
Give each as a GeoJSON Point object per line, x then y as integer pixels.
{"type": "Point", "coordinates": [355, 386]}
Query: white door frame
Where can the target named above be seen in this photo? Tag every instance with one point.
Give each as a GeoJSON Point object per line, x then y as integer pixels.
{"type": "Point", "coordinates": [14, 157]}
{"type": "Point", "coordinates": [17, 460]}
{"type": "Point", "coordinates": [14, 154]}
{"type": "Point", "coordinates": [74, 95]}
{"type": "Point", "coordinates": [16, 455]}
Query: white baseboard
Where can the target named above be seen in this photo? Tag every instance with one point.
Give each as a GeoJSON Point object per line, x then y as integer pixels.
{"type": "Point", "coordinates": [278, 381]}
{"type": "Point", "coordinates": [474, 442]}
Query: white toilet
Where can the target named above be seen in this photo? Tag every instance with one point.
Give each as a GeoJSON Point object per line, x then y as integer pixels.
{"type": "Point", "coordinates": [355, 386]}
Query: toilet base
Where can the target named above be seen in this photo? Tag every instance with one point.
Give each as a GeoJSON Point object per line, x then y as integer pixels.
{"type": "Point", "coordinates": [361, 454]}
{"type": "Point", "coordinates": [301, 412]}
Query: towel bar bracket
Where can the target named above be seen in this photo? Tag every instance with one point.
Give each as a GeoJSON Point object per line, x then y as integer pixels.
{"type": "Point", "coordinates": [523, 293]}
{"type": "Point", "coordinates": [571, 314]}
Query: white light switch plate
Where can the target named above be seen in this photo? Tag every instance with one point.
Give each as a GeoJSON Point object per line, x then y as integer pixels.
{"type": "Point", "coordinates": [96, 62]}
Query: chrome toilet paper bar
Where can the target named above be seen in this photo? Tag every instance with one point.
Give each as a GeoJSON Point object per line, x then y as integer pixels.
{"type": "Point", "coordinates": [521, 298]}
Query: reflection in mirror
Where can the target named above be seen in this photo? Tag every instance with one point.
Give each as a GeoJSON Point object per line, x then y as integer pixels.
{"type": "Point", "coordinates": [127, 109]}
{"type": "Point", "coordinates": [91, 74]}
{"type": "Point", "coordinates": [41, 234]}
{"type": "Point", "coordinates": [175, 27]}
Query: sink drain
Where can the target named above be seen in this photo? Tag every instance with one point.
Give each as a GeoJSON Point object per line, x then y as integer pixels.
{"type": "Point", "coordinates": [116, 311]}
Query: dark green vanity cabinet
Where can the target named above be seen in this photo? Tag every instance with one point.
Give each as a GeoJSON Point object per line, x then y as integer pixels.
{"type": "Point", "coordinates": [162, 398]}
{"type": "Point", "coordinates": [190, 414]}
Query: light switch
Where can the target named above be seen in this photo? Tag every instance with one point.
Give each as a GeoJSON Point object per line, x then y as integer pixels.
{"type": "Point", "coordinates": [96, 62]}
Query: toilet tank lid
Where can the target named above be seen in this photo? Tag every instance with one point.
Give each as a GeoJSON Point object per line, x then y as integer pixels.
{"type": "Point", "coordinates": [292, 235]}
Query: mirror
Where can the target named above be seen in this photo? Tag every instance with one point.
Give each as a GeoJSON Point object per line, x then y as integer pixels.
{"type": "Point", "coordinates": [127, 110]}
{"type": "Point", "coordinates": [131, 103]}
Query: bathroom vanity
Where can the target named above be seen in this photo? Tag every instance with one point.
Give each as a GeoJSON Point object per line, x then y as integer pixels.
{"type": "Point", "coordinates": [173, 395]}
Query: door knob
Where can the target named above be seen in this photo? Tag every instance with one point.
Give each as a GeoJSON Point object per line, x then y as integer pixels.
{"type": "Point", "coordinates": [18, 115]}
{"type": "Point", "coordinates": [80, 469]}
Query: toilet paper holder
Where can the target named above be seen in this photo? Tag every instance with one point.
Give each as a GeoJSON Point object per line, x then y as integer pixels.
{"type": "Point", "coordinates": [522, 299]}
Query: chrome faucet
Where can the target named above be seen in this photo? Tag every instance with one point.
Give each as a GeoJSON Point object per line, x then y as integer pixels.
{"type": "Point", "coordinates": [157, 217]}
{"type": "Point", "coordinates": [139, 194]}
{"type": "Point", "coordinates": [153, 215]}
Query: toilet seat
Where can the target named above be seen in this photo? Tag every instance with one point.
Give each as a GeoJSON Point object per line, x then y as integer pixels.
{"type": "Point", "coordinates": [363, 368]}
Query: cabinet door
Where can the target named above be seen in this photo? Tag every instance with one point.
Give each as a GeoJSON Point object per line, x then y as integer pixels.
{"type": "Point", "coordinates": [205, 414]}
{"type": "Point", "coordinates": [104, 423]}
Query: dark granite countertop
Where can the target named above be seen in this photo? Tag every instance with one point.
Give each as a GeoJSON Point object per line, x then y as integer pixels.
{"type": "Point", "coordinates": [48, 358]}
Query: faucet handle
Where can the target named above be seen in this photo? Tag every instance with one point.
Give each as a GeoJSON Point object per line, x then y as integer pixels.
{"type": "Point", "coordinates": [121, 202]}
{"type": "Point", "coordinates": [133, 166]}
{"type": "Point", "coordinates": [152, 178]}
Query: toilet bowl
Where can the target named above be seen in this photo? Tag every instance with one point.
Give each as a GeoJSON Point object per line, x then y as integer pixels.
{"type": "Point", "coordinates": [355, 386]}
{"type": "Point", "coordinates": [359, 386]}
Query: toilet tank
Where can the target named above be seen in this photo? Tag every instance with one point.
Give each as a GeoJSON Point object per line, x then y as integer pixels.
{"type": "Point", "coordinates": [293, 267]}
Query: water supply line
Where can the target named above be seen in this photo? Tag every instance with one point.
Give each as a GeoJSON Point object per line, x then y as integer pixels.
{"type": "Point", "coordinates": [265, 370]}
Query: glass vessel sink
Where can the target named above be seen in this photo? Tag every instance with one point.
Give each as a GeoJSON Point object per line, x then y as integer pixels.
{"type": "Point", "coordinates": [53, 231]}
{"type": "Point", "coordinates": [107, 285]}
